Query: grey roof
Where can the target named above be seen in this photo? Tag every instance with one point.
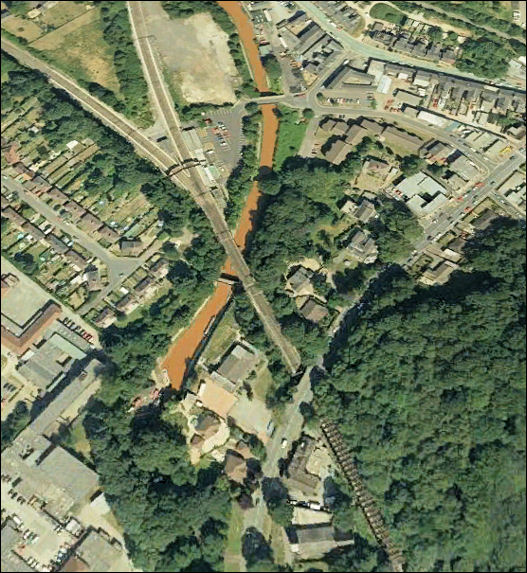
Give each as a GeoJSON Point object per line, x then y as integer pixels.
{"type": "Point", "coordinates": [99, 553]}
{"type": "Point", "coordinates": [314, 311]}
{"type": "Point", "coordinates": [237, 364]}
{"type": "Point", "coordinates": [300, 278]}
{"type": "Point", "coordinates": [68, 473]}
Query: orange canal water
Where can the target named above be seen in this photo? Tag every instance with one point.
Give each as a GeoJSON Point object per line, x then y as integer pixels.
{"type": "Point", "coordinates": [180, 355]}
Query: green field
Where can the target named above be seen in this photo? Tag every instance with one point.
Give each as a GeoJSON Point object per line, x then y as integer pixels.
{"type": "Point", "coordinates": [388, 14]}
{"type": "Point", "coordinates": [290, 135]}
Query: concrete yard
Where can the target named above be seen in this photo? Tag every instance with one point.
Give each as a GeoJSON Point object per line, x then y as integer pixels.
{"type": "Point", "coordinates": [196, 54]}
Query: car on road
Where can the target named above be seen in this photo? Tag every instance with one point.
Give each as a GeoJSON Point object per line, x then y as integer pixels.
{"type": "Point", "coordinates": [284, 443]}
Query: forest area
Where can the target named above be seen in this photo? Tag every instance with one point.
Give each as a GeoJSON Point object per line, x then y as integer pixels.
{"type": "Point", "coordinates": [428, 390]}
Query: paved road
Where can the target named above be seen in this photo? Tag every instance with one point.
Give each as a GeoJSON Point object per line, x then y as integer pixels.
{"type": "Point", "coordinates": [455, 212]}
{"type": "Point", "coordinates": [291, 431]}
{"type": "Point", "coordinates": [351, 43]}
{"type": "Point", "coordinates": [200, 191]}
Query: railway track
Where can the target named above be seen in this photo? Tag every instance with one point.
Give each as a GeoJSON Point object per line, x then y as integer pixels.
{"type": "Point", "coordinates": [364, 499]}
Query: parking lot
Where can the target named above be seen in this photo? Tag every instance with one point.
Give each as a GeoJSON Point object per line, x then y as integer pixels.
{"type": "Point", "coordinates": [223, 140]}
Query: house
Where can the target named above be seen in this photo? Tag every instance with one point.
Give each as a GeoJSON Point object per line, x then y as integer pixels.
{"type": "Point", "coordinates": [14, 216]}
{"type": "Point", "coordinates": [237, 364]}
{"type": "Point", "coordinates": [404, 97]}
{"type": "Point", "coordinates": [207, 425]}
{"type": "Point", "coordinates": [160, 268]}
{"type": "Point", "coordinates": [93, 279]}
{"type": "Point", "coordinates": [130, 247]}
{"type": "Point", "coordinates": [438, 275]}
{"type": "Point", "coordinates": [145, 287]}
{"type": "Point", "coordinates": [33, 230]}
{"type": "Point", "coordinates": [235, 466]}
{"type": "Point", "coordinates": [400, 139]}
{"type": "Point", "coordinates": [105, 317]}
{"type": "Point", "coordinates": [216, 399]}
{"type": "Point", "coordinates": [314, 541]}
{"type": "Point", "coordinates": [92, 222]}
{"type": "Point", "coordinates": [356, 134]}
{"type": "Point", "coordinates": [76, 259]}
{"type": "Point", "coordinates": [74, 209]}
{"type": "Point", "coordinates": [338, 152]}
{"type": "Point", "coordinates": [464, 168]}
{"type": "Point", "coordinates": [372, 127]}
{"type": "Point", "coordinates": [377, 167]}
{"type": "Point", "coordinates": [126, 303]}
{"type": "Point", "coordinates": [300, 279]}
{"type": "Point", "coordinates": [57, 195]}
{"type": "Point", "coordinates": [313, 311]}
{"type": "Point", "coordinates": [108, 234]}
{"type": "Point", "coordinates": [436, 151]}
{"type": "Point", "coordinates": [365, 211]}
{"type": "Point", "coordinates": [21, 169]}
{"type": "Point", "coordinates": [299, 479]}
{"type": "Point", "coordinates": [56, 244]}
{"type": "Point", "coordinates": [363, 247]}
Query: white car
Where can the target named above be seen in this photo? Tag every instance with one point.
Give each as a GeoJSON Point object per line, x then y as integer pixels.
{"type": "Point", "coordinates": [284, 443]}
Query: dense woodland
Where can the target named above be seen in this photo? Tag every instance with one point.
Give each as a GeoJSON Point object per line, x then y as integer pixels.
{"type": "Point", "coordinates": [428, 390]}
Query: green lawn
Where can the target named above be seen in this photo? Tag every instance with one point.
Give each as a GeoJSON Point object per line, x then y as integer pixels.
{"type": "Point", "coordinates": [387, 13]}
{"type": "Point", "coordinates": [76, 439]}
{"type": "Point", "coordinates": [290, 135]}
{"type": "Point", "coordinates": [233, 544]}
{"type": "Point", "coordinates": [222, 338]}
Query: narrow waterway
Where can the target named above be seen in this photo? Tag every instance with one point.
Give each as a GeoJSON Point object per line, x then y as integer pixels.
{"type": "Point", "coordinates": [186, 345]}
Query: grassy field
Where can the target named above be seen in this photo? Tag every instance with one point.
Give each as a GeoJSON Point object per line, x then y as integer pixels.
{"type": "Point", "coordinates": [222, 337]}
{"type": "Point", "coordinates": [77, 440]}
{"type": "Point", "coordinates": [387, 13]}
{"type": "Point", "coordinates": [233, 545]}
{"type": "Point", "coordinates": [62, 13]}
{"type": "Point", "coordinates": [290, 135]}
{"type": "Point", "coordinates": [22, 28]}
{"type": "Point", "coordinates": [87, 56]}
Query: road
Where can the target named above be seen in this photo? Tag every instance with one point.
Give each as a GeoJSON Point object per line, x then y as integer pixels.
{"type": "Point", "coordinates": [291, 431]}
{"type": "Point", "coordinates": [457, 211]}
{"type": "Point", "coordinates": [351, 43]}
{"type": "Point", "coordinates": [191, 180]}
{"type": "Point", "coordinates": [200, 191]}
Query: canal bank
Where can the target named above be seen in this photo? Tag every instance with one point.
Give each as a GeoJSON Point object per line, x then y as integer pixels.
{"type": "Point", "coordinates": [185, 348]}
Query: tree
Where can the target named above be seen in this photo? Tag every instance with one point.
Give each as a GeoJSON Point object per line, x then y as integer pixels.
{"type": "Point", "coordinates": [427, 387]}
{"type": "Point", "coordinates": [308, 113]}
{"type": "Point", "coordinates": [411, 164]}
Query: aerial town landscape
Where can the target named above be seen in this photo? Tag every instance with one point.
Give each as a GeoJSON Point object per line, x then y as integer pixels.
{"type": "Point", "coordinates": [263, 286]}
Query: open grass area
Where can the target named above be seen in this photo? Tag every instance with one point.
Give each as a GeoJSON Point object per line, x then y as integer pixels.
{"type": "Point", "coordinates": [88, 56]}
{"type": "Point", "coordinates": [233, 544]}
{"type": "Point", "coordinates": [388, 14]}
{"type": "Point", "coordinates": [62, 13]}
{"type": "Point", "coordinates": [222, 338]}
{"type": "Point", "coordinates": [291, 132]}
{"type": "Point", "coordinates": [22, 28]}
{"type": "Point", "coordinates": [76, 439]}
